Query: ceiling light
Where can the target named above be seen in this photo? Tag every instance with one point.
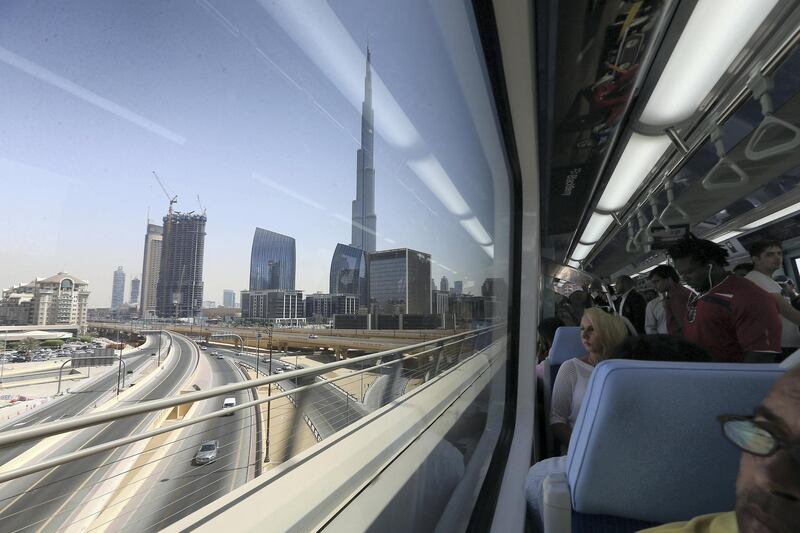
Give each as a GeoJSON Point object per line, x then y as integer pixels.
{"type": "Point", "coordinates": [638, 158]}
{"type": "Point", "coordinates": [581, 251]}
{"type": "Point", "coordinates": [774, 216]}
{"type": "Point", "coordinates": [715, 34]}
{"type": "Point", "coordinates": [725, 236]}
{"type": "Point", "coordinates": [596, 227]}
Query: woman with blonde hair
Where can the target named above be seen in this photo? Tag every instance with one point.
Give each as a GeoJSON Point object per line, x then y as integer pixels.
{"type": "Point", "coordinates": [601, 332]}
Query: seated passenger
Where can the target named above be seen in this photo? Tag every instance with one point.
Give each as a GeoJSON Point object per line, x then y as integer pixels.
{"type": "Point", "coordinates": [768, 485]}
{"type": "Point", "coordinates": [600, 333]}
{"type": "Point", "coordinates": [731, 317]}
{"type": "Point", "coordinates": [547, 332]}
{"type": "Point", "coordinates": [660, 348]}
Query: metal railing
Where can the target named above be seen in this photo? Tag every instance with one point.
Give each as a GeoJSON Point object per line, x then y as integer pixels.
{"type": "Point", "coordinates": [55, 428]}
{"type": "Point", "coordinates": [309, 412]}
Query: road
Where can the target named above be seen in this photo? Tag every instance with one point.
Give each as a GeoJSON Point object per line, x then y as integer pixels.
{"type": "Point", "coordinates": [329, 408]}
{"type": "Point", "coordinates": [177, 487]}
{"type": "Point", "coordinates": [74, 403]}
{"type": "Point", "coordinates": [43, 501]}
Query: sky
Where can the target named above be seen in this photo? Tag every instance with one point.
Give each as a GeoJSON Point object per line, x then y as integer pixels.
{"type": "Point", "coordinates": [255, 107]}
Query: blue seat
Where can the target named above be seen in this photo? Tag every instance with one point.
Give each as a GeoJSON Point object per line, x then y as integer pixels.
{"type": "Point", "coordinates": [566, 345]}
{"type": "Point", "coordinates": [647, 445]}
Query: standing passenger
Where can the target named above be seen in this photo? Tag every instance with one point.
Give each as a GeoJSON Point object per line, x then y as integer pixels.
{"type": "Point", "coordinates": [767, 258]}
{"type": "Point", "coordinates": [730, 316]}
{"type": "Point", "coordinates": [630, 303]}
{"type": "Point", "coordinates": [673, 298]}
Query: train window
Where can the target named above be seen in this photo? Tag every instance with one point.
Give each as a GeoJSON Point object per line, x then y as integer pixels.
{"type": "Point", "coordinates": [292, 172]}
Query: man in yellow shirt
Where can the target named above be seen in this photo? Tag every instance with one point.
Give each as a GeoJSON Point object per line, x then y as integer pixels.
{"type": "Point", "coordinates": [768, 485]}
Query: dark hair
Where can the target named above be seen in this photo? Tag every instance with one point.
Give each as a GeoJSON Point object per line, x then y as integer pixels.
{"type": "Point", "coordinates": [743, 266]}
{"type": "Point", "coordinates": [547, 329]}
{"type": "Point", "coordinates": [700, 250]}
{"type": "Point", "coordinates": [758, 247]}
{"type": "Point", "coordinates": [665, 272]}
{"type": "Point", "coordinates": [660, 348]}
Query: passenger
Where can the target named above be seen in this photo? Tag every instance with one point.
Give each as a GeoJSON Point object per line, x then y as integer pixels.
{"type": "Point", "coordinates": [630, 303]}
{"type": "Point", "coordinates": [668, 316]}
{"type": "Point", "coordinates": [571, 311]}
{"type": "Point", "coordinates": [600, 333]}
{"type": "Point", "coordinates": [601, 295]}
{"type": "Point", "coordinates": [660, 348]}
{"type": "Point", "coordinates": [730, 316]}
{"type": "Point", "coordinates": [768, 485]}
{"type": "Point", "coordinates": [767, 257]}
{"type": "Point", "coordinates": [547, 332]}
{"type": "Point", "coordinates": [742, 269]}
{"type": "Point", "coordinates": [789, 290]}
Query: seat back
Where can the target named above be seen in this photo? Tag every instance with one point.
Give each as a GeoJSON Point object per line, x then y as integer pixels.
{"type": "Point", "coordinates": [566, 345]}
{"type": "Point", "coordinates": [647, 444]}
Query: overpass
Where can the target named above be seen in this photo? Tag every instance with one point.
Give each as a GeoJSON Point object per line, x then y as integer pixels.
{"type": "Point", "coordinates": [340, 341]}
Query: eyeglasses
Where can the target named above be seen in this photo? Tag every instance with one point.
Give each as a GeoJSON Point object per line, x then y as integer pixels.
{"type": "Point", "coordinates": [755, 437]}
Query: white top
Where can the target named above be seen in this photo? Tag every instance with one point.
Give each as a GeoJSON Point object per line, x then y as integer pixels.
{"type": "Point", "coordinates": [568, 391]}
{"type": "Point", "coordinates": [655, 317]}
{"type": "Point", "coordinates": [790, 335]}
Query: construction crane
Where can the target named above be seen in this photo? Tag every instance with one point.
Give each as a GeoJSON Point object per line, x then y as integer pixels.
{"type": "Point", "coordinates": [203, 209]}
{"type": "Point", "coordinates": [172, 199]}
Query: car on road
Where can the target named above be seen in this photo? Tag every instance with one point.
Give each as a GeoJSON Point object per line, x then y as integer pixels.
{"type": "Point", "coordinates": [228, 403]}
{"type": "Point", "coordinates": [207, 453]}
{"type": "Point", "coordinates": [219, 356]}
{"type": "Point", "coordinates": [280, 370]}
{"type": "Point", "coordinates": [204, 347]}
{"type": "Point", "coordinates": [313, 336]}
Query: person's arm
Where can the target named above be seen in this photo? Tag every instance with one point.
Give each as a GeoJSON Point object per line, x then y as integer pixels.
{"type": "Point", "coordinates": [785, 308]}
{"type": "Point", "coordinates": [758, 326]}
{"type": "Point", "coordinates": [561, 402]}
{"type": "Point", "coordinates": [650, 320]}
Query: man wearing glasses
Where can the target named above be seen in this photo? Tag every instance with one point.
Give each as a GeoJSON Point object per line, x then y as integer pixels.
{"type": "Point", "coordinates": [731, 317]}
{"type": "Point", "coordinates": [768, 485]}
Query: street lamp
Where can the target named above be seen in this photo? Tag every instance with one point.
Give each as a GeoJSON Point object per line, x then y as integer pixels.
{"type": "Point", "coordinates": [269, 390]}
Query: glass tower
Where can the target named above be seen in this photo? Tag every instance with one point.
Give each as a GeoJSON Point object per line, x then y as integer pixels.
{"type": "Point", "coordinates": [349, 271]}
{"type": "Point", "coordinates": [272, 261]}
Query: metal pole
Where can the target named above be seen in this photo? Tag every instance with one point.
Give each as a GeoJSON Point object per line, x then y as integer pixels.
{"type": "Point", "coordinates": [269, 393]}
{"type": "Point", "coordinates": [3, 361]}
{"type": "Point", "coordinates": [119, 368]}
{"type": "Point", "coordinates": [59, 375]}
{"type": "Point", "coordinates": [258, 350]}
{"type": "Point", "coordinates": [159, 347]}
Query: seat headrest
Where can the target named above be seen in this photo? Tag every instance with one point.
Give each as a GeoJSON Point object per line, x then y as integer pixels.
{"type": "Point", "coordinates": [566, 345]}
{"type": "Point", "coordinates": [647, 444]}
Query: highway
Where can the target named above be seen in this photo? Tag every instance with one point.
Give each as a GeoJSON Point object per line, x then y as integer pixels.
{"type": "Point", "coordinates": [328, 408]}
{"type": "Point", "coordinates": [45, 500]}
{"type": "Point", "coordinates": [74, 403]}
{"type": "Point", "coordinates": [177, 487]}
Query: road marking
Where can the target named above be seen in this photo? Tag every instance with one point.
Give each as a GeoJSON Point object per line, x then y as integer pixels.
{"type": "Point", "coordinates": [45, 419]}
{"type": "Point", "coordinates": [19, 424]}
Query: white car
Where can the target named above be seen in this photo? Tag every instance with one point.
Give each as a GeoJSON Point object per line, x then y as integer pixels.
{"type": "Point", "coordinates": [229, 403]}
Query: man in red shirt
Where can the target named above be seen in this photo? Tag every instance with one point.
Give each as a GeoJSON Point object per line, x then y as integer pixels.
{"type": "Point", "coordinates": [731, 317]}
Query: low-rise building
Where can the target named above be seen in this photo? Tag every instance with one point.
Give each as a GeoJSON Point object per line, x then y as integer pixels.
{"type": "Point", "coordinates": [59, 299]}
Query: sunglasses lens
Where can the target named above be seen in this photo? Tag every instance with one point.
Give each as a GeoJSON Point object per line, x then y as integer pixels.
{"type": "Point", "coordinates": [749, 437]}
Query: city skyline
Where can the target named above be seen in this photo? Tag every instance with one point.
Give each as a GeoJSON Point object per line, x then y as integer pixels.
{"type": "Point", "coordinates": [276, 152]}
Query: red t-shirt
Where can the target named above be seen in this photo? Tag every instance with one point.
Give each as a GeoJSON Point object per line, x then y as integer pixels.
{"type": "Point", "coordinates": [734, 317]}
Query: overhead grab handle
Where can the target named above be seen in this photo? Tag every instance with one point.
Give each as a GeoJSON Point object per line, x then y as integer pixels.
{"type": "Point", "coordinates": [655, 221]}
{"type": "Point", "coordinates": [631, 246]}
{"type": "Point", "coordinates": [680, 216]}
{"type": "Point", "coordinates": [774, 136]}
{"type": "Point", "coordinates": [726, 174]}
{"type": "Point", "coordinates": [642, 237]}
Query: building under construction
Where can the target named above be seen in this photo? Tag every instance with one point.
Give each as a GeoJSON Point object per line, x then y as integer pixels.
{"type": "Point", "coordinates": [180, 280]}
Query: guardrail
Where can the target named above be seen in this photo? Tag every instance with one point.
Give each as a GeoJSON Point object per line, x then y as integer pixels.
{"type": "Point", "coordinates": [422, 361]}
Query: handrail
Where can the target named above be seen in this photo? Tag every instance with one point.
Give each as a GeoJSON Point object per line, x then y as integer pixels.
{"type": "Point", "coordinates": [149, 406]}
{"type": "Point", "coordinates": [55, 428]}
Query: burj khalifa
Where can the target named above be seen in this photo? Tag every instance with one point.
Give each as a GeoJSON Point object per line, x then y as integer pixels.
{"type": "Point", "coordinates": [364, 219]}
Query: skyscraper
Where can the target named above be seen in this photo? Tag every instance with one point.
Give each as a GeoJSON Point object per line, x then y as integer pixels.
{"type": "Point", "coordinates": [349, 272]}
{"type": "Point", "coordinates": [135, 287]}
{"type": "Point", "coordinates": [364, 218]}
{"type": "Point", "coordinates": [151, 266]}
{"type": "Point", "coordinates": [118, 289]}
{"type": "Point", "coordinates": [229, 298]}
{"type": "Point", "coordinates": [180, 280]}
{"type": "Point", "coordinates": [458, 287]}
{"type": "Point", "coordinates": [399, 282]}
{"type": "Point", "coordinates": [272, 261]}
{"type": "Point", "coordinates": [444, 284]}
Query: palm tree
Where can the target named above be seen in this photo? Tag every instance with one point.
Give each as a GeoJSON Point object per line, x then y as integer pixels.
{"type": "Point", "coordinates": [28, 345]}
